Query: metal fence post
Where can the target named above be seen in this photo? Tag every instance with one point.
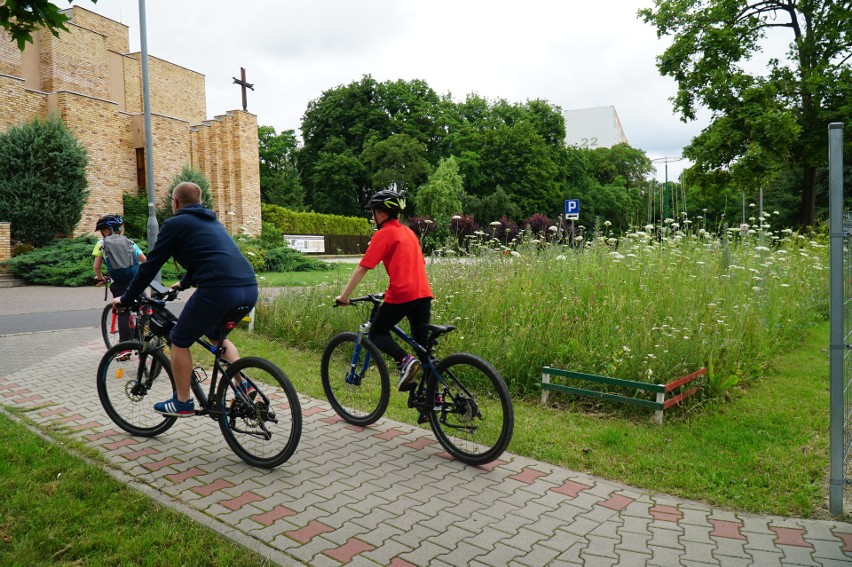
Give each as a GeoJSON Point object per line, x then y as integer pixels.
{"type": "Point", "coordinates": [837, 340]}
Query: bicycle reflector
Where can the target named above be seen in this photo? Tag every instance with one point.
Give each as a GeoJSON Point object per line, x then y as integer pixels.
{"type": "Point", "coordinates": [119, 373]}
{"type": "Point", "coordinates": [230, 325]}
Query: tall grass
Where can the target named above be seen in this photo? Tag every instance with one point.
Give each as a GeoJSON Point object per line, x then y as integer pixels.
{"type": "Point", "coordinates": [651, 305]}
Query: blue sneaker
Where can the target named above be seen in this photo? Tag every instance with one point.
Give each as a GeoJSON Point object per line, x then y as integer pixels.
{"type": "Point", "coordinates": [247, 389]}
{"type": "Point", "coordinates": [408, 369]}
{"type": "Point", "coordinates": [174, 408]}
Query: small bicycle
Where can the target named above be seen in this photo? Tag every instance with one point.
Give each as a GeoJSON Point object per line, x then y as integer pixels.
{"type": "Point", "coordinates": [137, 319]}
{"type": "Point", "coordinates": [462, 396]}
{"type": "Point", "coordinates": [254, 402]}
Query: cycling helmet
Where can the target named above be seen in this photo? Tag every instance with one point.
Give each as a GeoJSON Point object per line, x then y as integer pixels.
{"type": "Point", "coordinates": [109, 221]}
{"type": "Point", "coordinates": [388, 200]}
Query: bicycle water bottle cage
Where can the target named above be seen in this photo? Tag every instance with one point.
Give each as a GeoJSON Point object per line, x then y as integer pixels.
{"type": "Point", "coordinates": [235, 316]}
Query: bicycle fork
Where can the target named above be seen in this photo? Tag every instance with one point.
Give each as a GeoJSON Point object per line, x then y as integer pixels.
{"type": "Point", "coordinates": [353, 377]}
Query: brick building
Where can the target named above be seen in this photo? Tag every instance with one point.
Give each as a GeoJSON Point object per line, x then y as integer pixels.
{"type": "Point", "coordinates": [88, 78]}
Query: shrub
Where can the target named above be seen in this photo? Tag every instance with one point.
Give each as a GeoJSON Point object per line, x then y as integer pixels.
{"type": "Point", "coordinates": [254, 253]}
{"type": "Point", "coordinates": [504, 230]}
{"type": "Point", "coordinates": [186, 174]}
{"type": "Point", "coordinates": [538, 224]}
{"type": "Point", "coordinates": [285, 259]}
{"type": "Point", "coordinates": [421, 226]}
{"type": "Point", "coordinates": [68, 262]}
{"type": "Point", "coordinates": [292, 222]}
{"type": "Point", "coordinates": [136, 214]}
{"type": "Point", "coordinates": [43, 185]}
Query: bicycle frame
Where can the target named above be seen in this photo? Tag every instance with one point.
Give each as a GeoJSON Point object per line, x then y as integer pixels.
{"type": "Point", "coordinates": [417, 398]}
{"type": "Point", "coordinates": [206, 407]}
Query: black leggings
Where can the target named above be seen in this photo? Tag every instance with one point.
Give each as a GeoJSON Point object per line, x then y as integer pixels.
{"type": "Point", "coordinates": [418, 312]}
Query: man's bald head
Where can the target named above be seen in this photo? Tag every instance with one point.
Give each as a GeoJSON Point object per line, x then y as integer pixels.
{"type": "Point", "coordinates": [187, 193]}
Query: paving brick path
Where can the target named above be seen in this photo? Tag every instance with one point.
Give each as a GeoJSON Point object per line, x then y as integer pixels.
{"type": "Point", "coordinates": [389, 495]}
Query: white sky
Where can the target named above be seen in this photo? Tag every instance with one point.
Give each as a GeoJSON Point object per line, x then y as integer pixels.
{"type": "Point", "coordinates": [575, 54]}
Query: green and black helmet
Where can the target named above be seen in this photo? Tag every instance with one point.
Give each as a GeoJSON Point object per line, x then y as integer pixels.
{"type": "Point", "coordinates": [387, 200]}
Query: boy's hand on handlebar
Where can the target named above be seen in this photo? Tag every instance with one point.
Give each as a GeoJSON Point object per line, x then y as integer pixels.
{"type": "Point", "coordinates": [339, 300]}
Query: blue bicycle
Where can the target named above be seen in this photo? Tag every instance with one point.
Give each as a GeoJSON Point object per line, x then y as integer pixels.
{"type": "Point", "coordinates": [463, 397]}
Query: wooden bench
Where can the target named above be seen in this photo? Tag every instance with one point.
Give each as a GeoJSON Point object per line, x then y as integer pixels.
{"type": "Point", "coordinates": [661, 390]}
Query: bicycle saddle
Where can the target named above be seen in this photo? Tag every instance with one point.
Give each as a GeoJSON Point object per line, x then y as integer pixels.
{"type": "Point", "coordinates": [236, 315]}
{"type": "Point", "coordinates": [438, 330]}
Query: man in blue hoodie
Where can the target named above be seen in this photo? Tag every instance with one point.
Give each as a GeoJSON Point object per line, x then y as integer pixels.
{"type": "Point", "coordinates": [196, 239]}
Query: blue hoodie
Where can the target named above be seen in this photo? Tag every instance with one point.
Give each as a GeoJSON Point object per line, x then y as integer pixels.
{"type": "Point", "coordinates": [202, 246]}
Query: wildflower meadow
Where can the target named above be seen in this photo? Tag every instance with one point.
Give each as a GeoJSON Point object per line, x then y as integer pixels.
{"type": "Point", "coordinates": [652, 304]}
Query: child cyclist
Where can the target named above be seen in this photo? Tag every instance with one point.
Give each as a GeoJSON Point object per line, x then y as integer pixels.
{"type": "Point", "coordinates": [408, 294]}
{"type": "Point", "coordinates": [109, 225]}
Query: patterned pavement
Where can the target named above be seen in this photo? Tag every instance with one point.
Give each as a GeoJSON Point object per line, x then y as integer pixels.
{"type": "Point", "coordinates": [389, 495]}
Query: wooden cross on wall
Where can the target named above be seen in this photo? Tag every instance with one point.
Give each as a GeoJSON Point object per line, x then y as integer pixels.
{"type": "Point", "coordinates": [242, 82]}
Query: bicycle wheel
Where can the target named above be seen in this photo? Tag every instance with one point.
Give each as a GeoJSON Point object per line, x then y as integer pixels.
{"type": "Point", "coordinates": [357, 388]}
{"type": "Point", "coordinates": [130, 381]}
{"type": "Point", "coordinates": [109, 326]}
{"type": "Point", "coordinates": [472, 417]}
{"type": "Point", "coordinates": [263, 428]}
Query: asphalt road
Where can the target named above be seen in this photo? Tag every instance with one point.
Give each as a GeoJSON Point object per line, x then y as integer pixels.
{"type": "Point", "coordinates": [32, 309]}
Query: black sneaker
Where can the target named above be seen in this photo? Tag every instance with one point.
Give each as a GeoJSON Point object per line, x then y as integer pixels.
{"type": "Point", "coordinates": [407, 371]}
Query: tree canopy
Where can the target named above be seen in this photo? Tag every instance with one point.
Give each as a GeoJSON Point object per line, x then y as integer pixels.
{"type": "Point", "coordinates": [22, 17]}
{"type": "Point", "coordinates": [279, 176]}
{"type": "Point", "coordinates": [770, 120]}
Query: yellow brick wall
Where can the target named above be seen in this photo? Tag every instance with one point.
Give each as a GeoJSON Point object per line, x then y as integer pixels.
{"type": "Point", "coordinates": [10, 57]}
{"type": "Point", "coordinates": [175, 91]}
{"type": "Point", "coordinates": [75, 61]}
{"type": "Point", "coordinates": [19, 105]}
{"type": "Point", "coordinates": [132, 85]}
{"type": "Point", "coordinates": [97, 126]}
{"type": "Point", "coordinates": [225, 151]}
{"type": "Point", "coordinates": [5, 242]}
{"type": "Point", "coordinates": [116, 34]}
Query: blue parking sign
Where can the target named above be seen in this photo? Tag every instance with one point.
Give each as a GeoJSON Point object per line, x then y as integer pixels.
{"type": "Point", "coordinates": [572, 207]}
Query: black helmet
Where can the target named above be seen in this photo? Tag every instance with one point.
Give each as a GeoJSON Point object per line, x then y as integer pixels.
{"type": "Point", "coordinates": [111, 222]}
{"type": "Point", "coordinates": [388, 200]}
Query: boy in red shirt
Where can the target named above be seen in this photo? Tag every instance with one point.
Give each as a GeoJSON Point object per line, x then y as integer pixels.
{"type": "Point", "coordinates": [408, 294]}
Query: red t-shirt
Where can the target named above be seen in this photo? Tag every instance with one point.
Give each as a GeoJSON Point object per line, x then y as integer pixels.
{"type": "Point", "coordinates": [398, 248]}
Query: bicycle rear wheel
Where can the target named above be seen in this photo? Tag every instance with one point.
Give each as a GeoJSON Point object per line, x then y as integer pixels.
{"type": "Point", "coordinates": [130, 380]}
{"type": "Point", "coordinates": [357, 387]}
{"type": "Point", "coordinates": [263, 428]}
{"type": "Point", "coordinates": [109, 326]}
{"type": "Point", "coordinates": [472, 417]}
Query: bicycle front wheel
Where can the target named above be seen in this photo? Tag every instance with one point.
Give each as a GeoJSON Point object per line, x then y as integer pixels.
{"type": "Point", "coordinates": [262, 417]}
{"type": "Point", "coordinates": [130, 381]}
{"type": "Point", "coordinates": [356, 385]}
{"type": "Point", "coordinates": [472, 415]}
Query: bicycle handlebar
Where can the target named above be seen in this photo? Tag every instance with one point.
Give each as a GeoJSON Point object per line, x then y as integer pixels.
{"type": "Point", "coordinates": [375, 298]}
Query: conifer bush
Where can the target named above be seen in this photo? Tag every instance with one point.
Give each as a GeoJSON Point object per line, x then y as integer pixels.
{"type": "Point", "coordinates": [43, 186]}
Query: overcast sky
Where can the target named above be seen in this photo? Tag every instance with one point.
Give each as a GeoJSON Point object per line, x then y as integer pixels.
{"type": "Point", "coordinates": [574, 54]}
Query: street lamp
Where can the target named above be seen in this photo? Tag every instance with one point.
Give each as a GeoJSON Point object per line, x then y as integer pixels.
{"type": "Point", "coordinates": [666, 161]}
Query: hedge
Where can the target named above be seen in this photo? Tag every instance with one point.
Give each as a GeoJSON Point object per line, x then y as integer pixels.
{"type": "Point", "coordinates": [292, 222]}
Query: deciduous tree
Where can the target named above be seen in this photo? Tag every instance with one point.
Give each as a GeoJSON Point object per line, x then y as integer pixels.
{"type": "Point", "coordinates": [23, 17]}
{"type": "Point", "coordinates": [768, 119]}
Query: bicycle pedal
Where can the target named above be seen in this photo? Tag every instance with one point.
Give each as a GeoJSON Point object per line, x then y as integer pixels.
{"type": "Point", "coordinates": [422, 418]}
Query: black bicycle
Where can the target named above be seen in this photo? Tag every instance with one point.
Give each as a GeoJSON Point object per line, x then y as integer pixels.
{"type": "Point", "coordinates": [254, 402]}
{"type": "Point", "coordinates": [462, 396]}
